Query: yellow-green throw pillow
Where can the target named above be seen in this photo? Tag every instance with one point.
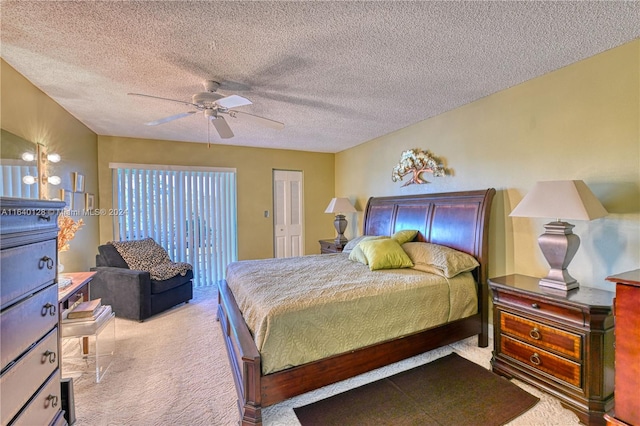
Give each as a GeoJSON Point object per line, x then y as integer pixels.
{"type": "Point", "coordinates": [404, 236]}
{"type": "Point", "coordinates": [356, 254]}
{"type": "Point", "coordinates": [385, 254]}
{"type": "Point", "coordinates": [440, 260]}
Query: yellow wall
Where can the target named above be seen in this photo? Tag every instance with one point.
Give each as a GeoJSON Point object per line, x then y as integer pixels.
{"type": "Point", "coordinates": [254, 168]}
{"type": "Point", "coordinates": [579, 122]}
{"type": "Point", "coordinates": [32, 115]}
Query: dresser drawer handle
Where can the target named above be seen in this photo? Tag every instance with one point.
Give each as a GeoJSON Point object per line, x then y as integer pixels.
{"type": "Point", "coordinates": [53, 400]}
{"type": "Point", "coordinates": [50, 355]}
{"type": "Point", "coordinates": [535, 359]}
{"type": "Point", "coordinates": [46, 261]}
{"type": "Point", "coordinates": [44, 217]}
{"type": "Point", "coordinates": [48, 308]}
{"type": "Point", "coordinates": [535, 334]}
{"type": "Point", "coordinates": [535, 306]}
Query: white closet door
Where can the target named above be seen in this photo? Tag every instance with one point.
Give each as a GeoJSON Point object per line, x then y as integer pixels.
{"type": "Point", "coordinates": [288, 213]}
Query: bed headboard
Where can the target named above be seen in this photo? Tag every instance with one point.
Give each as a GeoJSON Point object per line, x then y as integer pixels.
{"type": "Point", "coordinates": [456, 219]}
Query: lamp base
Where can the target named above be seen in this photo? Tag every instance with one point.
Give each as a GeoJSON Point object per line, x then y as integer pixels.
{"type": "Point", "coordinates": [341, 225]}
{"type": "Point", "coordinates": [558, 285]}
{"type": "Point", "coordinates": [558, 245]}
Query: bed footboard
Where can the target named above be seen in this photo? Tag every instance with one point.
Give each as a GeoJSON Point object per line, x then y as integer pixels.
{"type": "Point", "coordinates": [243, 357]}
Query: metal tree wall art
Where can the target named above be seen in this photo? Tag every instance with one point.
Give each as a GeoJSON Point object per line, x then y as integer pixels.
{"type": "Point", "coordinates": [415, 162]}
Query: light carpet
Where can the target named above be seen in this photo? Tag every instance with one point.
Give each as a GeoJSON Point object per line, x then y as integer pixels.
{"type": "Point", "coordinates": [173, 370]}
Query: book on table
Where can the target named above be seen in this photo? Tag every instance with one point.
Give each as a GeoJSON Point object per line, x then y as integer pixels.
{"type": "Point", "coordinates": [85, 310]}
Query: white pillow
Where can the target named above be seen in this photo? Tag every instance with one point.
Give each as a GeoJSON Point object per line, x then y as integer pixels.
{"type": "Point", "coordinates": [351, 244]}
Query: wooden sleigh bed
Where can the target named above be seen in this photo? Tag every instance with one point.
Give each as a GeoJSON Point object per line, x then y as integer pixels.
{"type": "Point", "coordinates": [458, 220]}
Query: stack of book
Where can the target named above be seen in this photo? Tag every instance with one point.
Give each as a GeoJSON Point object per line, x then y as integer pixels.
{"type": "Point", "coordinates": [85, 311]}
{"type": "Point", "coordinates": [86, 318]}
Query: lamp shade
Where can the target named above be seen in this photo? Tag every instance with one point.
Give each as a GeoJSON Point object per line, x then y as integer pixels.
{"type": "Point", "coordinates": [560, 199]}
{"type": "Point", "coordinates": [340, 205]}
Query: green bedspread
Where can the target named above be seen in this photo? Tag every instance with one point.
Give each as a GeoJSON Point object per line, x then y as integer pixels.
{"type": "Point", "coordinates": [302, 309]}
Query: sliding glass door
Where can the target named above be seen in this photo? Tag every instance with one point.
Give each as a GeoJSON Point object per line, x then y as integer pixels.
{"type": "Point", "coordinates": [189, 211]}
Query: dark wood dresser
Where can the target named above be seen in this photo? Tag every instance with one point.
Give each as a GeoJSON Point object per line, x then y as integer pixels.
{"type": "Point", "coordinates": [560, 342]}
{"type": "Point", "coordinates": [627, 314]}
{"type": "Point", "coordinates": [29, 321]}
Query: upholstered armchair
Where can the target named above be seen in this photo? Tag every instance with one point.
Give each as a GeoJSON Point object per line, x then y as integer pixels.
{"type": "Point", "coordinates": [138, 294]}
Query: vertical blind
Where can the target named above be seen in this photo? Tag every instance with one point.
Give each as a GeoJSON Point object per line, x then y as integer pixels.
{"type": "Point", "coordinates": [191, 213]}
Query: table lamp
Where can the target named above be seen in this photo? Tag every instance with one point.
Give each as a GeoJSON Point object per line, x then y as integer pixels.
{"type": "Point", "coordinates": [340, 206]}
{"type": "Point", "coordinates": [561, 199]}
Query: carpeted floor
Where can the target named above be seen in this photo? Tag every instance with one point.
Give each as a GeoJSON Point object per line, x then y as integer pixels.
{"type": "Point", "coordinates": [173, 369]}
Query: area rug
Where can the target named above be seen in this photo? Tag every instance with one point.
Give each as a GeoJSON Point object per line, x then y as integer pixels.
{"type": "Point", "coordinates": [448, 391]}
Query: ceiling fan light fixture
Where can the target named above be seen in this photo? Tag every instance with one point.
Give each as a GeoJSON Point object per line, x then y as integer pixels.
{"type": "Point", "coordinates": [206, 97]}
{"type": "Point", "coordinates": [213, 105]}
{"type": "Point", "coordinates": [211, 85]}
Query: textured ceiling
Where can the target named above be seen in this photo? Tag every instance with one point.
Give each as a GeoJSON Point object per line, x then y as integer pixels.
{"type": "Point", "coordinates": [336, 73]}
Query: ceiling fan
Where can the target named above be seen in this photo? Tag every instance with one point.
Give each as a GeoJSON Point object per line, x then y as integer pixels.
{"type": "Point", "coordinates": [214, 105]}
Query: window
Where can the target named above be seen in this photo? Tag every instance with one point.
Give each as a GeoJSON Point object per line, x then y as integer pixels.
{"type": "Point", "coordinates": [191, 212]}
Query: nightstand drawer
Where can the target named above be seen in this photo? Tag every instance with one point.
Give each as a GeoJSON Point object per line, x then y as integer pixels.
{"type": "Point", "coordinates": [326, 246]}
{"type": "Point", "coordinates": [534, 333]}
{"type": "Point", "coordinates": [542, 308]}
{"type": "Point", "coordinates": [558, 367]}
{"type": "Point", "coordinates": [330, 246]}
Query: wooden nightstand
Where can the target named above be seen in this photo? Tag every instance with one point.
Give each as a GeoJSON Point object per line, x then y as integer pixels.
{"type": "Point", "coordinates": [330, 246]}
{"type": "Point", "coordinates": [562, 343]}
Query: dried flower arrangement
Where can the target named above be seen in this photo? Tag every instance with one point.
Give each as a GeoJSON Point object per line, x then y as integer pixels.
{"type": "Point", "coordinates": [68, 228]}
{"type": "Point", "coordinates": [416, 161]}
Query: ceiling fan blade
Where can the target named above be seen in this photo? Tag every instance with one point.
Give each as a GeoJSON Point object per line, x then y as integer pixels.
{"type": "Point", "coordinates": [222, 127]}
{"type": "Point", "coordinates": [233, 101]}
{"type": "Point", "coordinates": [171, 118]}
{"type": "Point", "coordinates": [257, 119]}
{"type": "Point", "coordinates": [163, 99]}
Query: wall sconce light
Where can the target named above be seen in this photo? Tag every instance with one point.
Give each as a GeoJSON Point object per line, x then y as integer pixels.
{"type": "Point", "coordinates": [52, 158]}
{"type": "Point", "coordinates": [28, 156]}
{"type": "Point", "coordinates": [53, 180]}
{"type": "Point", "coordinates": [44, 158]}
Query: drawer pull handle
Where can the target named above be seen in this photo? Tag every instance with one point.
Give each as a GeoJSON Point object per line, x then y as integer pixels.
{"type": "Point", "coordinates": [535, 306]}
{"type": "Point", "coordinates": [53, 400]}
{"type": "Point", "coordinates": [50, 355]}
{"type": "Point", "coordinates": [44, 217]}
{"type": "Point", "coordinates": [535, 359]}
{"type": "Point", "coordinates": [48, 308]}
{"type": "Point", "coordinates": [46, 261]}
{"type": "Point", "coordinates": [535, 334]}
